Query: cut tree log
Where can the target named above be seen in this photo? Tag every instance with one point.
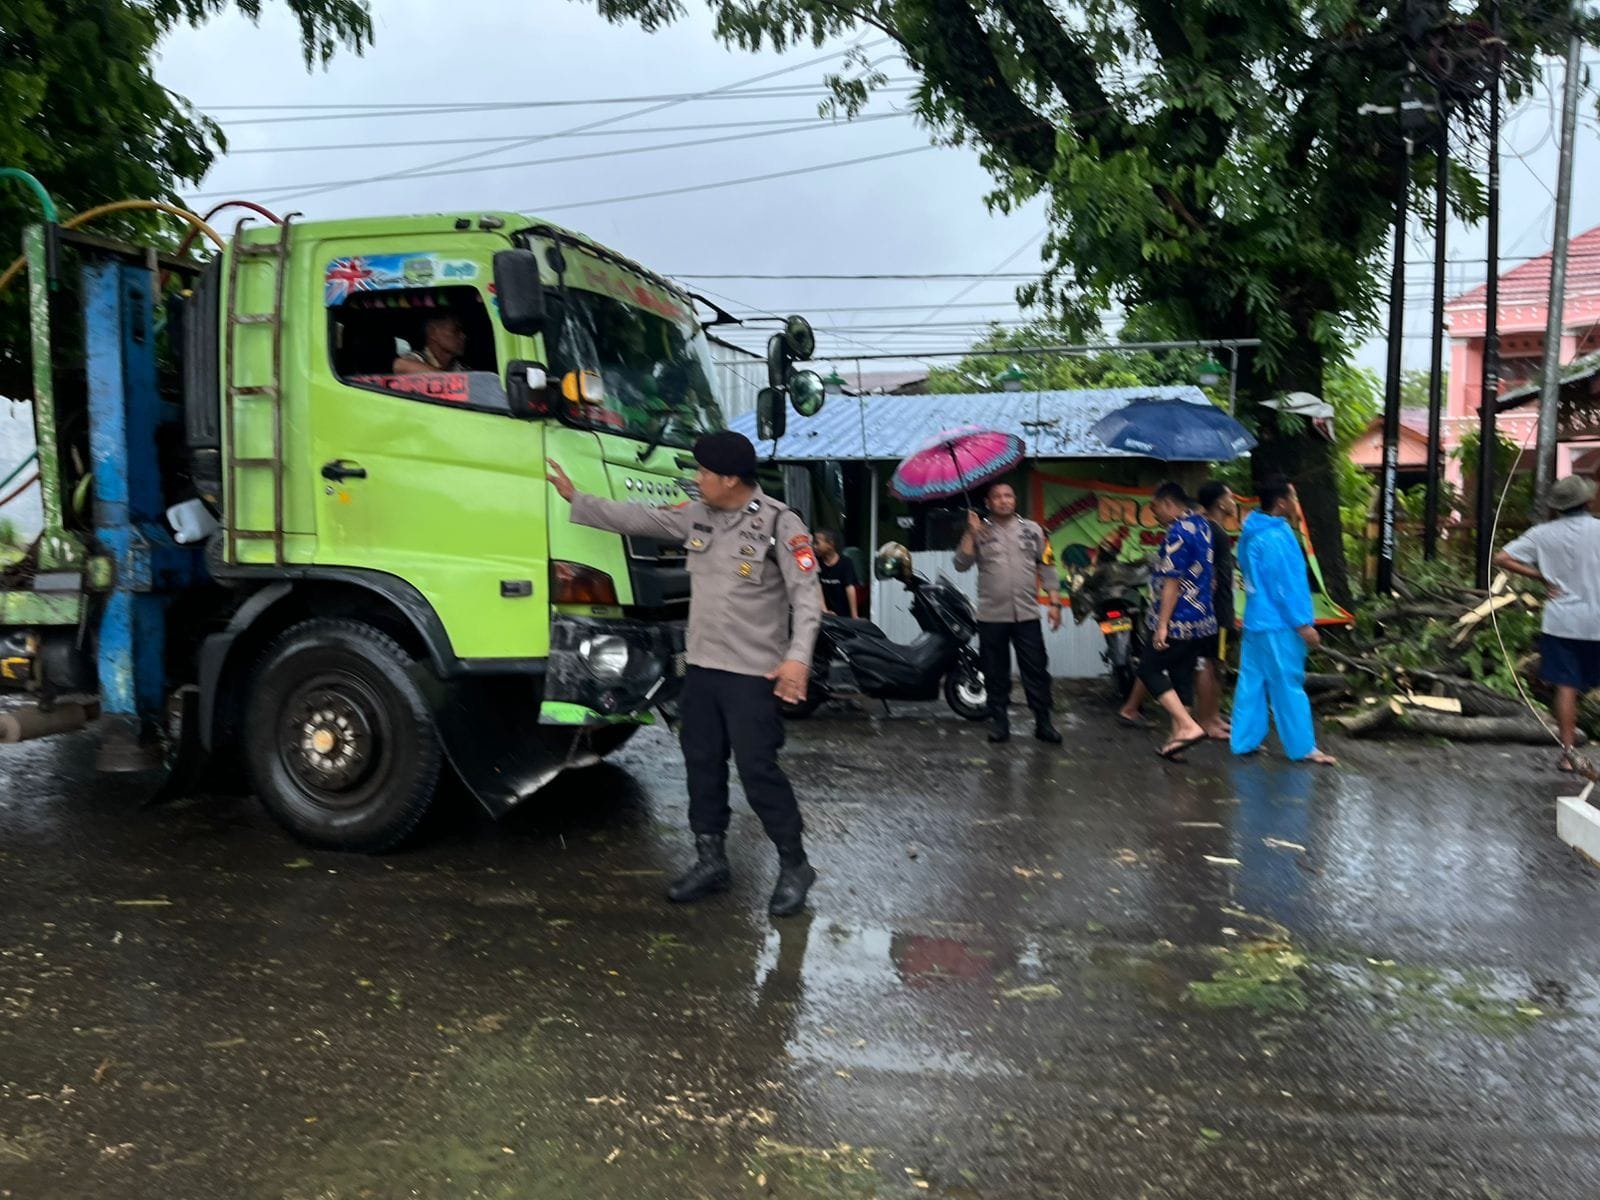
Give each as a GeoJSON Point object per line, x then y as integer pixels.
{"type": "Point", "coordinates": [1318, 682]}
{"type": "Point", "coordinates": [1394, 713]}
{"type": "Point", "coordinates": [1477, 700]}
{"type": "Point", "coordinates": [1369, 718]}
{"type": "Point", "coordinates": [1444, 704]}
{"type": "Point", "coordinates": [1475, 729]}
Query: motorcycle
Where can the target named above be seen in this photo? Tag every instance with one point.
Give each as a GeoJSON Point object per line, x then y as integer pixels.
{"type": "Point", "coordinates": [855, 658]}
{"type": "Point", "coordinates": [1114, 594]}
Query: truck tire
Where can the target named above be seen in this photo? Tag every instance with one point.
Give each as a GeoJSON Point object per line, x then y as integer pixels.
{"type": "Point", "coordinates": [339, 742]}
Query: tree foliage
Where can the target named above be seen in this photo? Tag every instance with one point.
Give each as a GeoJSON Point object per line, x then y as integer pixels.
{"type": "Point", "coordinates": [1206, 162]}
{"type": "Point", "coordinates": [86, 115]}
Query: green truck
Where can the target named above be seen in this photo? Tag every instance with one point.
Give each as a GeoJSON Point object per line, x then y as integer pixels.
{"type": "Point", "coordinates": [297, 519]}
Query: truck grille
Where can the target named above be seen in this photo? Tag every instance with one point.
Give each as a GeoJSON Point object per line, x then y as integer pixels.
{"type": "Point", "coordinates": [659, 575]}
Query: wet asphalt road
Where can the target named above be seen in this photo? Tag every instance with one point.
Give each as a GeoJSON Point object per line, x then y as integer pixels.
{"type": "Point", "coordinates": [1028, 972]}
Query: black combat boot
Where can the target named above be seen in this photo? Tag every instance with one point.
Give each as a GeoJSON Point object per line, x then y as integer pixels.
{"type": "Point", "coordinates": [795, 877]}
{"type": "Point", "coordinates": [1000, 728]}
{"type": "Point", "coordinates": [1044, 730]}
{"type": "Point", "coordinates": [709, 875]}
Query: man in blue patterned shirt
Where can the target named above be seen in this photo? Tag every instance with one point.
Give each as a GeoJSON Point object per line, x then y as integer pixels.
{"type": "Point", "coordinates": [1182, 619]}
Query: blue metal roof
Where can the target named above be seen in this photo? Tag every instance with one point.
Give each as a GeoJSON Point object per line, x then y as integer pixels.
{"type": "Point", "coordinates": [1050, 424]}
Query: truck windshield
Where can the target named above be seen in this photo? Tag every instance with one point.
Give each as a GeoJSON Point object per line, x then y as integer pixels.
{"type": "Point", "coordinates": [644, 375]}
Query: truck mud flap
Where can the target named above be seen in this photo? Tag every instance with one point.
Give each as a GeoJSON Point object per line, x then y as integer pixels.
{"type": "Point", "coordinates": [492, 740]}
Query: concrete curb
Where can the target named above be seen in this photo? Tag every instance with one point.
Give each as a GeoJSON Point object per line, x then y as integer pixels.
{"type": "Point", "coordinates": [1578, 824]}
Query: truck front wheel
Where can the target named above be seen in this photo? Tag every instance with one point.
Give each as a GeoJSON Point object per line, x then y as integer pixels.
{"type": "Point", "coordinates": [340, 743]}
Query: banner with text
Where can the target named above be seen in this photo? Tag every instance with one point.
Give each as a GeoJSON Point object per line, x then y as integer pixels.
{"type": "Point", "coordinates": [1088, 522]}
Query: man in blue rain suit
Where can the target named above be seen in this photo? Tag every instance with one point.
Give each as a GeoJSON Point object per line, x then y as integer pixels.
{"type": "Point", "coordinates": [1279, 630]}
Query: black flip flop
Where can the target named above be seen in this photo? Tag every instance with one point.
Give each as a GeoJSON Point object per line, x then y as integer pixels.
{"type": "Point", "coordinates": [1132, 722]}
{"type": "Point", "coordinates": [1172, 750]}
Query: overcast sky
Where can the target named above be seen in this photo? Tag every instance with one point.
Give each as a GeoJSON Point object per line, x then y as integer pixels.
{"type": "Point", "coordinates": [917, 211]}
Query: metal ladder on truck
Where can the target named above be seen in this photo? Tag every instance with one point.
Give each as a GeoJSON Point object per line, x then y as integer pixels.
{"type": "Point", "coordinates": [240, 397]}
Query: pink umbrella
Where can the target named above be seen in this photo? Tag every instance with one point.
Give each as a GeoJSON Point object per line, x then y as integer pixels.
{"type": "Point", "coordinates": [954, 462]}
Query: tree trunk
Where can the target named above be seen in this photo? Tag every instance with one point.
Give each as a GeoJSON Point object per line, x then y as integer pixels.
{"type": "Point", "coordinates": [1305, 458]}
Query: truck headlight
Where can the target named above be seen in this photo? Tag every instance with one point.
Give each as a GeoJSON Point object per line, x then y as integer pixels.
{"type": "Point", "coordinates": [606, 656]}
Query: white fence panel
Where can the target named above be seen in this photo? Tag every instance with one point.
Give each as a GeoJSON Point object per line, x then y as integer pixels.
{"type": "Point", "coordinates": [1074, 649]}
{"type": "Point", "coordinates": [16, 443]}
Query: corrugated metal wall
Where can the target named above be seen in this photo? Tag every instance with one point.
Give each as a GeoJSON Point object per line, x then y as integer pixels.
{"type": "Point", "coordinates": [737, 377]}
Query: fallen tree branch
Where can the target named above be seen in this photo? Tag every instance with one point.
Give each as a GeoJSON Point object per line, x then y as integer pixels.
{"type": "Point", "coordinates": [1428, 612]}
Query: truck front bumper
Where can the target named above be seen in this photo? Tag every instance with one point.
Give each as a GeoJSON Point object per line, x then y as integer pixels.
{"type": "Point", "coordinates": [602, 670]}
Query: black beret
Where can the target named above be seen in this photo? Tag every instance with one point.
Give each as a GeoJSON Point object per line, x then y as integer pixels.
{"type": "Point", "coordinates": [726, 453]}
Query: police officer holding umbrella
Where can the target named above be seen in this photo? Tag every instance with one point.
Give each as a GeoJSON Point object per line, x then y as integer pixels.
{"type": "Point", "coordinates": [1014, 560]}
{"type": "Point", "coordinates": [754, 609]}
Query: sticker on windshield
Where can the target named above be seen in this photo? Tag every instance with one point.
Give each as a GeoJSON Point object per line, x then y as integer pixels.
{"type": "Point", "coordinates": [383, 272]}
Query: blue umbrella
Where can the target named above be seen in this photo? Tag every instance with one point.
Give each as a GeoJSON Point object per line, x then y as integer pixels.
{"type": "Point", "coordinates": [1175, 431]}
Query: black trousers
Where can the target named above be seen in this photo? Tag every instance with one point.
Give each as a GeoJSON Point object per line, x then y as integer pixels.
{"type": "Point", "coordinates": [995, 639]}
{"type": "Point", "coordinates": [719, 712]}
{"type": "Point", "coordinates": [1172, 669]}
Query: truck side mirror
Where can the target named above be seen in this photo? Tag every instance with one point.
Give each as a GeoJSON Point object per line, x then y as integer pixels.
{"type": "Point", "coordinates": [519, 291]}
{"type": "Point", "coordinates": [772, 419]}
{"type": "Point", "coordinates": [528, 389]}
{"type": "Point", "coordinates": [807, 392]}
{"type": "Point", "coordinates": [796, 343]}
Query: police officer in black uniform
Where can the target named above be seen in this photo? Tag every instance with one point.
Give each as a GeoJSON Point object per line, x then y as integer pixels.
{"type": "Point", "coordinates": [751, 567]}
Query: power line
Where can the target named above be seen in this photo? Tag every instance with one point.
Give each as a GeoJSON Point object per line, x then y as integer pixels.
{"type": "Point", "coordinates": [598, 124]}
{"type": "Point", "coordinates": [867, 308]}
{"type": "Point", "coordinates": [444, 105]}
{"type": "Point", "coordinates": [331, 184]}
{"type": "Point", "coordinates": [798, 92]}
{"type": "Point", "coordinates": [722, 183]}
{"type": "Point", "coordinates": [405, 143]}
{"type": "Point", "coordinates": [1001, 265]}
{"type": "Point", "coordinates": [940, 276]}
{"type": "Point", "coordinates": [847, 278]}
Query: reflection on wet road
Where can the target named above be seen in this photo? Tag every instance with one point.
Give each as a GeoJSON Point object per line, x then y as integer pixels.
{"type": "Point", "coordinates": [1027, 972]}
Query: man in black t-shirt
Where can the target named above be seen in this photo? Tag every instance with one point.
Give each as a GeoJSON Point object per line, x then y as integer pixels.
{"type": "Point", "coordinates": [837, 574]}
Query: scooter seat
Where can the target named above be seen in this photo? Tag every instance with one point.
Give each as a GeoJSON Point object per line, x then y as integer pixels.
{"type": "Point", "coordinates": [902, 665]}
{"type": "Point", "coordinates": [852, 626]}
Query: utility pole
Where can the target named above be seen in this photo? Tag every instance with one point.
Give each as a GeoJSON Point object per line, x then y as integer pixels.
{"type": "Point", "coordinates": [1441, 218]}
{"type": "Point", "coordinates": [1410, 112]}
{"type": "Point", "coordinates": [1550, 375]}
{"type": "Point", "coordinates": [1391, 386]}
{"type": "Point", "coordinates": [1490, 390]}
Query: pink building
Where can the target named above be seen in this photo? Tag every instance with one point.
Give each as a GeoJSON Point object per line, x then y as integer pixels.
{"type": "Point", "coordinates": [1524, 309]}
{"type": "Point", "coordinates": [1524, 296]}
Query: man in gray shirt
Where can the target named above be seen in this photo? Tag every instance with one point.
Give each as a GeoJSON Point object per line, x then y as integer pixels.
{"type": "Point", "coordinates": [1564, 555]}
{"type": "Point", "coordinates": [1014, 564]}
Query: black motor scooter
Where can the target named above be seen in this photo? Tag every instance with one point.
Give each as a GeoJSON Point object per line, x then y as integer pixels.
{"type": "Point", "coordinates": [854, 658]}
{"type": "Point", "coordinates": [1113, 593]}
